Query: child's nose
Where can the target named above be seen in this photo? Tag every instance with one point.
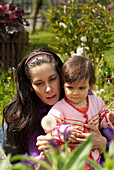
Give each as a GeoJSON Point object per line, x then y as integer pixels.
{"type": "Point", "coordinates": [76, 92]}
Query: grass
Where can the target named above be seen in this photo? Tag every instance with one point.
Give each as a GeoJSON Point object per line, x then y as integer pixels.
{"type": "Point", "coordinates": [38, 39]}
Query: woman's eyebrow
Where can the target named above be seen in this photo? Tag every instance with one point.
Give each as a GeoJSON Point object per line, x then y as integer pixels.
{"type": "Point", "coordinates": [36, 81]}
{"type": "Point", "coordinates": [40, 80]}
{"type": "Point", "coordinates": [53, 75]}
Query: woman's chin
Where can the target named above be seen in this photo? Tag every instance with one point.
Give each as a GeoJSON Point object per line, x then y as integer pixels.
{"type": "Point", "coordinates": [53, 100]}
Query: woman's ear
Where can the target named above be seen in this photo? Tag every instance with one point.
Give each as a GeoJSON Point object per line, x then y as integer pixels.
{"type": "Point", "coordinates": [30, 87]}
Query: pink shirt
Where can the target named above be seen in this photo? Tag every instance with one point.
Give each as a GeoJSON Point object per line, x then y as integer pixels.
{"type": "Point", "coordinates": [67, 114]}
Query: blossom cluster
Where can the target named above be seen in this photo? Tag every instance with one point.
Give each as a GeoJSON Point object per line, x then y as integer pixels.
{"type": "Point", "coordinates": [12, 18]}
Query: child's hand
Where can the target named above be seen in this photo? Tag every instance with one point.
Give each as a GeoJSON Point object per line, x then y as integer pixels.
{"type": "Point", "coordinates": [111, 117]}
{"type": "Point", "coordinates": [73, 135]}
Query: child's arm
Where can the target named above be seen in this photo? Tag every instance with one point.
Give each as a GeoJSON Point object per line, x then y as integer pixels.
{"type": "Point", "coordinates": [111, 117]}
{"type": "Point", "coordinates": [106, 117]}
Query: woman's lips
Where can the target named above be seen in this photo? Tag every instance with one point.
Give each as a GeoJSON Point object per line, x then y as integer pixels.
{"type": "Point", "coordinates": [51, 97]}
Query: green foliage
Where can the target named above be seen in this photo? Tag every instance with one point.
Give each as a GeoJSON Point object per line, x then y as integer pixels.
{"type": "Point", "coordinates": [38, 39]}
{"type": "Point", "coordinates": [62, 160]}
{"type": "Point", "coordinates": [74, 21]}
{"type": "Point", "coordinates": [7, 86]}
{"type": "Point", "coordinates": [88, 26]}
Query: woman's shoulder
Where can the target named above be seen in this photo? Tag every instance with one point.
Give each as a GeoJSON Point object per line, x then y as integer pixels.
{"type": "Point", "coordinates": [2, 135]}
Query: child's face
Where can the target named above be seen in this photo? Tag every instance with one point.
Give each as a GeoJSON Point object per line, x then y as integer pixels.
{"type": "Point", "coordinates": [77, 93]}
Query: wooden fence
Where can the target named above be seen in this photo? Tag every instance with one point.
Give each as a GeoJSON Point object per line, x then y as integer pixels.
{"type": "Point", "coordinates": [11, 48]}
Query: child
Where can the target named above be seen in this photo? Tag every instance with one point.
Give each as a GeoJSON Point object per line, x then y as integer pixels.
{"type": "Point", "coordinates": [78, 108]}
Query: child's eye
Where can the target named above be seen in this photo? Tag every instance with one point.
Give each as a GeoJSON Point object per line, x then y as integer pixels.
{"type": "Point", "coordinates": [82, 88]}
{"type": "Point", "coordinates": [70, 87]}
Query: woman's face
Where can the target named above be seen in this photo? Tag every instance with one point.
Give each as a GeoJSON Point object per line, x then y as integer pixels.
{"type": "Point", "coordinates": [46, 83]}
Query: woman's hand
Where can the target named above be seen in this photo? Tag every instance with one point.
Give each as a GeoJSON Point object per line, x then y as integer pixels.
{"type": "Point", "coordinates": [99, 141]}
{"type": "Point", "coordinates": [42, 141]}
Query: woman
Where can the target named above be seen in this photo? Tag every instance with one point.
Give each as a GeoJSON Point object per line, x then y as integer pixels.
{"type": "Point", "coordinates": [38, 89]}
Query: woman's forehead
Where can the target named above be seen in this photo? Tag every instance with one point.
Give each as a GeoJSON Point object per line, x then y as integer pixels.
{"type": "Point", "coordinates": [43, 71]}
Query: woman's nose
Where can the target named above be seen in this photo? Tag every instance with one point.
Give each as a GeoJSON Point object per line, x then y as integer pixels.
{"type": "Point", "coordinates": [48, 88]}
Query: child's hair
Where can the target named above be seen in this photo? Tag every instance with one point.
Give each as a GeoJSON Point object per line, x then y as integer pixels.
{"type": "Point", "coordinates": [76, 68]}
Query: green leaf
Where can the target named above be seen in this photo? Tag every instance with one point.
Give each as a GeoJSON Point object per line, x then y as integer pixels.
{"type": "Point", "coordinates": [28, 158]}
{"type": "Point", "coordinates": [94, 164]}
{"type": "Point", "coordinates": [21, 166]}
{"type": "Point", "coordinates": [5, 164]}
{"type": "Point", "coordinates": [54, 157]}
{"type": "Point", "coordinates": [111, 148]}
{"type": "Point", "coordinates": [77, 158]}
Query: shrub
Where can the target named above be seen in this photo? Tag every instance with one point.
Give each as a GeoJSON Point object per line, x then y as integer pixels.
{"type": "Point", "coordinates": [85, 28]}
{"type": "Point", "coordinates": [86, 25]}
{"type": "Point", "coordinates": [11, 19]}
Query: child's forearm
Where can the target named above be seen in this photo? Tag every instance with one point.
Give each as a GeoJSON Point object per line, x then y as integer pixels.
{"type": "Point", "coordinates": [111, 117]}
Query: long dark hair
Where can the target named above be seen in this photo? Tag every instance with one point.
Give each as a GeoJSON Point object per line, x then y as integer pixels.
{"type": "Point", "coordinates": [22, 115]}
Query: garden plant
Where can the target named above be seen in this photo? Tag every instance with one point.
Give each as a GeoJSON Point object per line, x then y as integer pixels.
{"type": "Point", "coordinates": [86, 28]}
{"type": "Point", "coordinates": [76, 28]}
{"type": "Point", "coordinates": [12, 19]}
{"type": "Point", "coordinates": [61, 159]}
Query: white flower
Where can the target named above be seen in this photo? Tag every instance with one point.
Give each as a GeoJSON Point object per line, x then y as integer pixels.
{"type": "Point", "coordinates": [87, 48]}
{"type": "Point", "coordinates": [75, 36]}
{"type": "Point", "coordinates": [108, 82]}
{"type": "Point", "coordinates": [48, 122]}
{"type": "Point", "coordinates": [57, 38]}
{"type": "Point", "coordinates": [102, 90]}
{"type": "Point", "coordinates": [95, 40]}
{"type": "Point", "coordinates": [99, 5]}
{"type": "Point", "coordinates": [64, 9]}
{"type": "Point", "coordinates": [79, 51]}
{"type": "Point", "coordinates": [83, 39]}
{"type": "Point", "coordinates": [73, 54]}
{"type": "Point", "coordinates": [93, 10]}
{"type": "Point", "coordinates": [62, 24]}
{"type": "Point", "coordinates": [96, 93]}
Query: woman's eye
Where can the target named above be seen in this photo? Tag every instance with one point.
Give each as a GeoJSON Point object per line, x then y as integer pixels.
{"type": "Point", "coordinates": [54, 78]}
{"type": "Point", "coordinates": [38, 84]}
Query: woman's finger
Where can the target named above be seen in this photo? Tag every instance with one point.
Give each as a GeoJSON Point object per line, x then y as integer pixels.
{"type": "Point", "coordinates": [38, 143]}
{"type": "Point", "coordinates": [74, 145]}
{"type": "Point", "coordinates": [92, 127]}
{"type": "Point", "coordinates": [44, 137]}
{"type": "Point", "coordinates": [43, 147]}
